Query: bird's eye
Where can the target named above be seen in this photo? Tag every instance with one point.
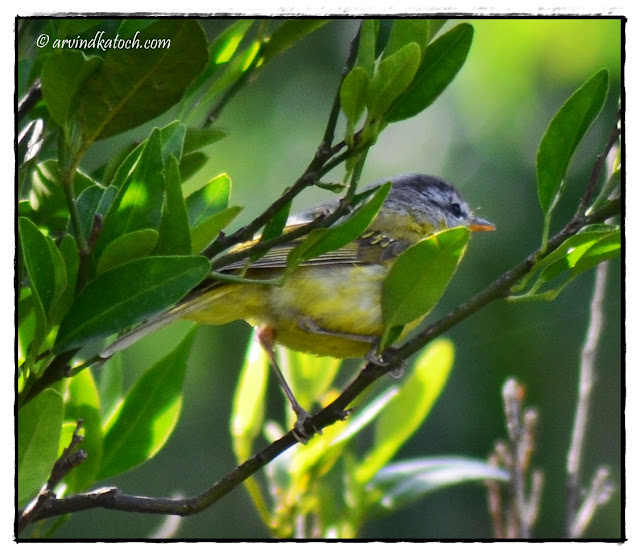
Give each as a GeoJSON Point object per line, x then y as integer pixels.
{"type": "Point", "coordinates": [455, 210]}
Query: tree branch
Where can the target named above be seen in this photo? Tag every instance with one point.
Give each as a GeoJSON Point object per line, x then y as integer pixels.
{"type": "Point", "coordinates": [69, 459]}
{"type": "Point", "coordinates": [113, 498]}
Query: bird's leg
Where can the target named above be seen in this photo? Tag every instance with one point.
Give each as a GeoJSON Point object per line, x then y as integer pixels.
{"type": "Point", "coordinates": [309, 325]}
{"type": "Point", "coordinates": [266, 337]}
{"type": "Point", "coordinates": [373, 357]}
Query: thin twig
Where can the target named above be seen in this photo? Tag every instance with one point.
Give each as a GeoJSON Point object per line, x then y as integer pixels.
{"type": "Point", "coordinates": [585, 386]}
{"type": "Point", "coordinates": [599, 494]}
{"type": "Point", "coordinates": [514, 516]}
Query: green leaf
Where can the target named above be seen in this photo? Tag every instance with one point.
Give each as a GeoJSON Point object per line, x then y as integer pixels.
{"type": "Point", "coordinates": [407, 481]}
{"type": "Point", "coordinates": [139, 202]}
{"type": "Point", "coordinates": [291, 31]}
{"type": "Point", "coordinates": [405, 31]}
{"type": "Point", "coordinates": [367, 45]}
{"type": "Point", "coordinates": [323, 240]}
{"type": "Point", "coordinates": [148, 415]}
{"type": "Point", "coordinates": [135, 85]}
{"type": "Point", "coordinates": [441, 63]}
{"type": "Point", "coordinates": [405, 413]}
{"type": "Point", "coordinates": [38, 262]}
{"type": "Point", "coordinates": [394, 75]}
{"type": "Point", "coordinates": [209, 212]}
{"type": "Point", "coordinates": [564, 134]}
{"type": "Point", "coordinates": [93, 201]}
{"type": "Point", "coordinates": [239, 65]}
{"type": "Point", "coordinates": [172, 137]}
{"type": "Point", "coordinates": [221, 51]}
{"type": "Point", "coordinates": [208, 200]}
{"type": "Point", "coordinates": [39, 424]}
{"type": "Point", "coordinates": [71, 260]}
{"type": "Point", "coordinates": [62, 76]}
{"type": "Point", "coordinates": [110, 385]}
{"type": "Point", "coordinates": [175, 237]}
{"type": "Point", "coordinates": [247, 415]}
{"type": "Point", "coordinates": [127, 294]}
{"type": "Point", "coordinates": [273, 228]}
{"type": "Point", "coordinates": [608, 247]}
{"type": "Point", "coordinates": [434, 26]}
{"type": "Point", "coordinates": [83, 402]}
{"type": "Point", "coordinates": [87, 204]}
{"type": "Point", "coordinates": [128, 247]}
{"type": "Point", "coordinates": [573, 256]}
{"type": "Point", "coordinates": [205, 232]}
{"type": "Point", "coordinates": [47, 197]}
{"type": "Point", "coordinates": [419, 277]}
{"type": "Point", "coordinates": [59, 277]}
{"type": "Point", "coordinates": [353, 94]}
{"type": "Point", "coordinates": [226, 43]}
{"type": "Point", "coordinates": [196, 138]}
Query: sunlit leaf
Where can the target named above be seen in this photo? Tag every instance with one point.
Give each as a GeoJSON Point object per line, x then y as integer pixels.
{"type": "Point", "coordinates": [405, 413]}
{"type": "Point", "coordinates": [39, 424]}
{"type": "Point", "coordinates": [174, 235]}
{"type": "Point", "coordinates": [38, 262]}
{"type": "Point", "coordinates": [591, 246]}
{"type": "Point", "coordinates": [247, 415]}
{"type": "Point", "coordinates": [227, 42]}
{"type": "Point", "coordinates": [83, 403]}
{"type": "Point", "coordinates": [139, 202]}
{"type": "Point", "coordinates": [210, 199]}
{"type": "Point", "coordinates": [148, 415]}
{"type": "Point", "coordinates": [419, 277]}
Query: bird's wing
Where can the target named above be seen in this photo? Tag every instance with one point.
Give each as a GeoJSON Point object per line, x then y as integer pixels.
{"type": "Point", "coordinates": [371, 247]}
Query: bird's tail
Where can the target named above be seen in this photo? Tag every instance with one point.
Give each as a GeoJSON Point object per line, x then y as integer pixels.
{"type": "Point", "coordinates": [182, 310]}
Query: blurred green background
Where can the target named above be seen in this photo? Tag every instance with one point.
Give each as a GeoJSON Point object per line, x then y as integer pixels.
{"type": "Point", "coordinates": [482, 135]}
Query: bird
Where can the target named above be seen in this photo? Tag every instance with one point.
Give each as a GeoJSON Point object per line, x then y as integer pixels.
{"type": "Point", "coordinates": [329, 305]}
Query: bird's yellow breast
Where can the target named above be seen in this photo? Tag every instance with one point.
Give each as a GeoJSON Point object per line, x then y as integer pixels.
{"type": "Point", "coordinates": [339, 299]}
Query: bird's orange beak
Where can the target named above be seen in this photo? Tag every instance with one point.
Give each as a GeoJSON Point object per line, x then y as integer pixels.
{"type": "Point", "coordinates": [481, 225]}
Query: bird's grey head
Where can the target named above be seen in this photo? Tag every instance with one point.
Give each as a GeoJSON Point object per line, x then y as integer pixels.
{"type": "Point", "coordinates": [432, 199]}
